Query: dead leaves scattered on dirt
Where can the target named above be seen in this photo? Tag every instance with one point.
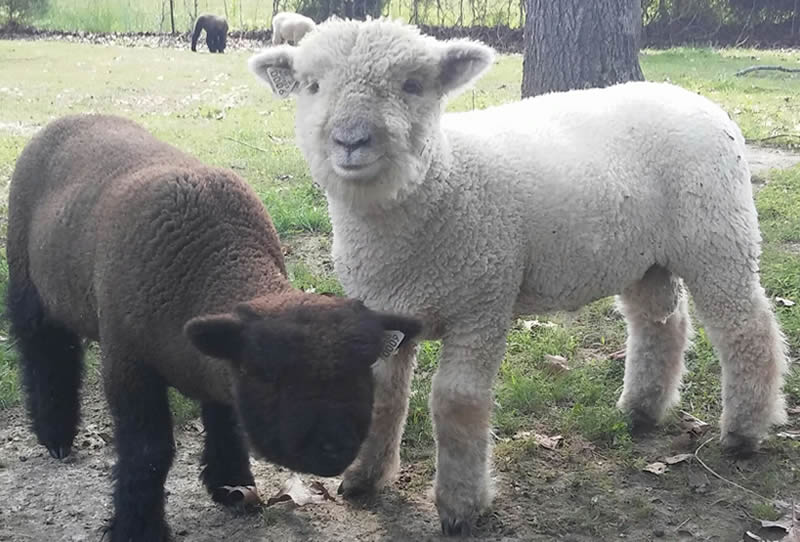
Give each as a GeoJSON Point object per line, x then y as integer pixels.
{"type": "Point", "coordinates": [692, 425]}
{"type": "Point", "coordinates": [693, 428]}
{"type": "Point", "coordinates": [296, 491]}
{"type": "Point", "coordinates": [660, 467]}
{"type": "Point", "coordinates": [550, 443]}
{"type": "Point", "coordinates": [555, 364]}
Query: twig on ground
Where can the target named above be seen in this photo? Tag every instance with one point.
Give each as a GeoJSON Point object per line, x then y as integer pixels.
{"type": "Point", "coordinates": [770, 68]}
{"type": "Point", "coordinates": [687, 520]}
{"type": "Point", "coordinates": [712, 471]}
{"type": "Point", "coordinates": [246, 144]}
{"type": "Point", "coordinates": [770, 138]}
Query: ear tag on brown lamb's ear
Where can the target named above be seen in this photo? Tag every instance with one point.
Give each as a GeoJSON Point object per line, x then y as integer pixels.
{"type": "Point", "coordinates": [281, 80]}
{"type": "Point", "coordinates": [391, 341]}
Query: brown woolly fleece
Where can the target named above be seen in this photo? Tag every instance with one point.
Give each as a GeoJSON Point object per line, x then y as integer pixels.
{"type": "Point", "coordinates": [176, 269]}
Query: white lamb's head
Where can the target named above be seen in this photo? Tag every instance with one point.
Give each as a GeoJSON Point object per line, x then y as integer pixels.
{"type": "Point", "coordinates": [369, 99]}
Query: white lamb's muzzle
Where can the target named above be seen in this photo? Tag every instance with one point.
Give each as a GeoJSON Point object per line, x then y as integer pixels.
{"type": "Point", "coordinates": [347, 170]}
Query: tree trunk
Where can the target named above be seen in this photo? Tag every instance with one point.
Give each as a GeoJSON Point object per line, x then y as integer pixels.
{"type": "Point", "coordinates": [573, 44]}
{"type": "Point", "coordinates": [172, 15]}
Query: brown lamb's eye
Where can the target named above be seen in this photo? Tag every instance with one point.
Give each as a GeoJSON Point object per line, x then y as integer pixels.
{"type": "Point", "coordinates": [413, 86]}
{"type": "Point", "coordinates": [313, 87]}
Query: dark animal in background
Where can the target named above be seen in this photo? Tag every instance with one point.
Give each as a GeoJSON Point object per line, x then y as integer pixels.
{"type": "Point", "coordinates": [216, 32]}
{"type": "Point", "coordinates": [175, 267]}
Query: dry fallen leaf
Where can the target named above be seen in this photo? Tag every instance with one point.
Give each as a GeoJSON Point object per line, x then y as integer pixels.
{"type": "Point", "coordinates": [753, 536]}
{"type": "Point", "coordinates": [785, 302]}
{"type": "Point", "coordinates": [528, 325]}
{"type": "Point", "coordinates": [295, 490]}
{"type": "Point", "coordinates": [675, 459]}
{"type": "Point", "coordinates": [551, 443]}
{"type": "Point", "coordinates": [692, 425]}
{"type": "Point", "coordinates": [794, 435]}
{"type": "Point", "coordinates": [658, 468]}
{"type": "Point", "coordinates": [619, 354]}
{"type": "Point", "coordinates": [556, 364]}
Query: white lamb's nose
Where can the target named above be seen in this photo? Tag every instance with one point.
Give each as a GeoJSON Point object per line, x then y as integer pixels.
{"type": "Point", "coordinates": [351, 136]}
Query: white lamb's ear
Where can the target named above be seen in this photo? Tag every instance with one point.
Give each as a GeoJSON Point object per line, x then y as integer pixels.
{"type": "Point", "coordinates": [275, 67]}
{"type": "Point", "coordinates": [462, 63]}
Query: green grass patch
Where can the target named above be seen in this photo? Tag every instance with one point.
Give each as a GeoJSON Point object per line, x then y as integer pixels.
{"type": "Point", "coordinates": [9, 379]}
{"type": "Point", "coordinates": [305, 279]}
{"type": "Point", "coordinates": [183, 409]}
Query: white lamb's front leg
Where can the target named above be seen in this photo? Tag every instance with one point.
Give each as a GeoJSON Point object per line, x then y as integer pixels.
{"type": "Point", "coordinates": [461, 402]}
{"type": "Point", "coordinates": [379, 457]}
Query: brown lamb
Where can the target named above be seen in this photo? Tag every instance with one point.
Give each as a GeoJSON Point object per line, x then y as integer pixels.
{"type": "Point", "coordinates": [176, 269]}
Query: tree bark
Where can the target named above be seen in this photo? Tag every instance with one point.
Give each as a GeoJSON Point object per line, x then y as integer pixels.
{"type": "Point", "coordinates": [572, 44]}
{"type": "Point", "coordinates": [172, 15]}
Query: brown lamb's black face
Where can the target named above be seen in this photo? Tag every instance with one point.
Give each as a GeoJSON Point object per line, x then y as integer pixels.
{"type": "Point", "coordinates": [304, 387]}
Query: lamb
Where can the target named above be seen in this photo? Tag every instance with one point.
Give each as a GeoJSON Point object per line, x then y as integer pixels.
{"type": "Point", "coordinates": [288, 27]}
{"type": "Point", "coordinates": [175, 267]}
{"type": "Point", "coordinates": [468, 219]}
{"type": "Point", "coordinates": [216, 28]}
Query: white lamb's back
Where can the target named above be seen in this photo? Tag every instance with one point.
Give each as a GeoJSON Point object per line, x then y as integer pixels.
{"type": "Point", "coordinates": [640, 124]}
{"type": "Point", "coordinates": [596, 112]}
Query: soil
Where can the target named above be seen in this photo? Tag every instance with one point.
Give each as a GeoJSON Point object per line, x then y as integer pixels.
{"type": "Point", "coordinates": [573, 493]}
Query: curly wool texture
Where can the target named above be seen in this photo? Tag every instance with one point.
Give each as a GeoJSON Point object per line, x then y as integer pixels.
{"type": "Point", "coordinates": [290, 27]}
{"type": "Point", "coordinates": [467, 219]}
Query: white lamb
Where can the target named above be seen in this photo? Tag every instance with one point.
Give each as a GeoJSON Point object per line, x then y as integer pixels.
{"type": "Point", "coordinates": [288, 27]}
{"type": "Point", "coordinates": [468, 219]}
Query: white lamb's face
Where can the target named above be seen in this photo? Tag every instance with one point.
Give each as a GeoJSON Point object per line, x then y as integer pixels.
{"type": "Point", "coordinates": [369, 96]}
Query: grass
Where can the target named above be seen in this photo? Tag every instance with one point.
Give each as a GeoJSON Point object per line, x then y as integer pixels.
{"type": "Point", "coordinates": [210, 106]}
{"type": "Point", "coordinates": [153, 15]}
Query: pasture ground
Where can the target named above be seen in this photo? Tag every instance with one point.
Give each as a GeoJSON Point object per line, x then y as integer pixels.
{"type": "Point", "coordinates": [592, 487]}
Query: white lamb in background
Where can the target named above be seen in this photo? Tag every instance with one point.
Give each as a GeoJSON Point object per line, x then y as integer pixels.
{"type": "Point", "coordinates": [288, 27]}
{"type": "Point", "coordinates": [468, 219]}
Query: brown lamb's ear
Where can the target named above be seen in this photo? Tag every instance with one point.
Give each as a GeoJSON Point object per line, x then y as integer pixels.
{"type": "Point", "coordinates": [218, 336]}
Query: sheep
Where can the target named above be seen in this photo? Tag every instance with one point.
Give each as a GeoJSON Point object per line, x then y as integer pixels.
{"type": "Point", "coordinates": [288, 27]}
{"type": "Point", "coordinates": [175, 267]}
{"type": "Point", "coordinates": [216, 28]}
{"type": "Point", "coordinates": [466, 220]}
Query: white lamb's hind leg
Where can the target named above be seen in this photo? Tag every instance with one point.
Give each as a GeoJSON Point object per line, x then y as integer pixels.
{"type": "Point", "coordinates": [461, 403]}
{"type": "Point", "coordinates": [744, 331]}
{"type": "Point", "coordinates": [656, 311]}
{"type": "Point", "coordinates": [379, 458]}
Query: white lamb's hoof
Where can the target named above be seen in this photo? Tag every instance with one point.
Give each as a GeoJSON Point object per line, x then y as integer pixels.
{"type": "Point", "coordinates": [460, 517]}
{"type": "Point", "coordinates": [357, 484]}
{"type": "Point", "coordinates": [739, 445]}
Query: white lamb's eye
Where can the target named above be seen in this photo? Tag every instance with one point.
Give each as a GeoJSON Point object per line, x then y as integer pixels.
{"type": "Point", "coordinates": [413, 86]}
{"type": "Point", "coordinates": [313, 87]}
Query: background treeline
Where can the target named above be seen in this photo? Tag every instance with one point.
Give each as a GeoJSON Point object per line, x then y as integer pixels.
{"type": "Point", "coordinates": [666, 22]}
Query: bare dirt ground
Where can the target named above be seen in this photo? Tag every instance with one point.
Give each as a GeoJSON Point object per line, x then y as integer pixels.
{"type": "Point", "coordinates": [572, 494]}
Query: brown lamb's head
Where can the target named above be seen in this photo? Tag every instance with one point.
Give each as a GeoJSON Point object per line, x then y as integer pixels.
{"type": "Point", "coordinates": [303, 365]}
